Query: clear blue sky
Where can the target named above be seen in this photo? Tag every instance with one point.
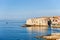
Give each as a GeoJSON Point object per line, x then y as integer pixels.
{"type": "Point", "coordinates": [23, 9]}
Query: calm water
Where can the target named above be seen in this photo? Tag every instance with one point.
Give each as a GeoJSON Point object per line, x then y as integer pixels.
{"type": "Point", "coordinates": [13, 31]}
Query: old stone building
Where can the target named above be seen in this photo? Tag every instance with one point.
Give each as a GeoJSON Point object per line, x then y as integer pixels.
{"type": "Point", "coordinates": [43, 20]}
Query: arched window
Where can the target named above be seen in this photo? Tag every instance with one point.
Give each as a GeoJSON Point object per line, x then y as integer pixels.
{"type": "Point", "coordinates": [55, 20]}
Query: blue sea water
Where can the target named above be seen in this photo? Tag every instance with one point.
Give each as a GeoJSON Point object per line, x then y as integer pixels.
{"type": "Point", "coordinates": [13, 30]}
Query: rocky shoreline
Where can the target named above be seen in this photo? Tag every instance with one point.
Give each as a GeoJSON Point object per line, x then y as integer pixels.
{"type": "Point", "coordinates": [53, 26]}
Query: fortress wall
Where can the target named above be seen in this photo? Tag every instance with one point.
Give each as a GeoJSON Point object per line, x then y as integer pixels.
{"type": "Point", "coordinates": [43, 20]}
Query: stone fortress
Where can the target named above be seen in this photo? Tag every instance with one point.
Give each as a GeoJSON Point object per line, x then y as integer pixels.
{"type": "Point", "coordinates": [43, 21]}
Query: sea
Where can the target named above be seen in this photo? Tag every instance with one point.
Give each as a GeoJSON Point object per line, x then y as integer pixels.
{"type": "Point", "coordinates": [13, 30]}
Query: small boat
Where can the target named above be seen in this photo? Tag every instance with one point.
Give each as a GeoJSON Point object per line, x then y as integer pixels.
{"type": "Point", "coordinates": [6, 22]}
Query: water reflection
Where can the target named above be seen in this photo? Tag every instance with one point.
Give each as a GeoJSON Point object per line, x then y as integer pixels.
{"type": "Point", "coordinates": [37, 30]}
{"type": "Point", "coordinates": [41, 30]}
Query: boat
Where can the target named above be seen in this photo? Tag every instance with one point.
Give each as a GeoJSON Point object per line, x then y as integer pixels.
{"type": "Point", "coordinates": [6, 22]}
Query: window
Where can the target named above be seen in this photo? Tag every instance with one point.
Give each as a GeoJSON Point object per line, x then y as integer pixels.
{"type": "Point", "coordinates": [55, 20]}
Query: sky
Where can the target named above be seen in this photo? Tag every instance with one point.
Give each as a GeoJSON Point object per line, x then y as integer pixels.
{"type": "Point", "coordinates": [24, 9]}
